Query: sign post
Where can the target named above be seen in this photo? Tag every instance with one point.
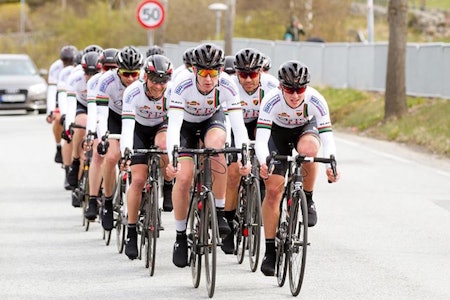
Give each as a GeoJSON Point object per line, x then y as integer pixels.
{"type": "Point", "coordinates": [150, 14]}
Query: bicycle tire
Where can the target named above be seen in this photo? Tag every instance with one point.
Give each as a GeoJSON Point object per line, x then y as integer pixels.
{"type": "Point", "coordinates": [254, 220]}
{"type": "Point", "coordinates": [195, 259]}
{"type": "Point", "coordinates": [120, 226]}
{"type": "Point", "coordinates": [210, 234]}
{"type": "Point", "coordinates": [240, 238]}
{"type": "Point", "coordinates": [152, 230]}
{"type": "Point", "coordinates": [298, 237]}
{"type": "Point", "coordinates": [280, 243]}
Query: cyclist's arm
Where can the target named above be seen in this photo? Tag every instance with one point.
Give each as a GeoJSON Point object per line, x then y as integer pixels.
{"type": "Point", "coordinates": [128, 123]}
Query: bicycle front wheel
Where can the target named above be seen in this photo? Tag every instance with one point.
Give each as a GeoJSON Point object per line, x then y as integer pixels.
{"type": "Point", "coordinates": [280, 244]}
{"type": "Point", "coordinates": [195, 258]}
{"type": "Point", "coordinates": [254, 220]}
{"type": "Point", "coordinates": [210, 233]}
{"type": "Point", "coordinates": [239, 236]}
{"type": "Point", "coordinates": [298, 237]}
{"type": "Point", "coordinates": [152, 230]}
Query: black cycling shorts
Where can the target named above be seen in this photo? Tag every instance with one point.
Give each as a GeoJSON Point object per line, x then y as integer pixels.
{"type": "Point", "coordinates": [144, 138]}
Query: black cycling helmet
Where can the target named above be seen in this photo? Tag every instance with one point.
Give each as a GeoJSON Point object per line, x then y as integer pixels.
{"type": "Point", "coordinates": [154, 50]}
{"type": "Point", "coordinates": [293, 74]}
{"type": "Point", "coordinates": [108, 56]}
{"type": "Point", "coordinates": [93, 48]}
{"type": "Point", "coordinates": [158, 68]}
{"type": "Point", "coordinates": [68, 52]}
{"type": "Point", "coordinates": [267, 64]}
{"type": "Point", "coordinates": [78, 56]}
{"type": "Point", "coordinates": [229, 65]}
{"type": "Point", "coordinates": [129, 58]}
{"type": "Point", "coordinates": [248, 60]}
{"type": "Point", "coordinates": [208, 56]}
{"type": "Point", "coordinates": [187, 56]}
{"type": "Point", "coordinates": [91, 63]}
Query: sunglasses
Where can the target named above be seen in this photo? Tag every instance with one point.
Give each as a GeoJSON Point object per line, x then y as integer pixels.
{"type": "Point", "coordinates": [128, 73]}
{"type": "Point", "coordinates": [107, 68]}
{"type": "Point", "coordinates": [205, 72]}
{"type": "Point", "coordinates": [299, 90]}
{"type": "Point", "coordinates": [155, 78]}
{"type": "Point", "coordinates": [245, 75]}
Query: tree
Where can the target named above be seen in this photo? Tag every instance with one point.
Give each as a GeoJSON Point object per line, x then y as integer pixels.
{"type": "Point", "coordinates": [395, 95]}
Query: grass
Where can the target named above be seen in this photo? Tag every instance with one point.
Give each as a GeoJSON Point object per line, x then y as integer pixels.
{"type": "Point", "coordinates": [426, 126]}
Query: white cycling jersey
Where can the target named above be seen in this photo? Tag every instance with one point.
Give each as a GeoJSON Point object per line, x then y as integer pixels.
{"type": "Point", "coordinates": [92, 118]}
{"type": "Point", "coordinates": [109, 95]}
{"type": "Point", "coordinates": [275, 110]}
{"type": "Point", "coordinates": [250, 103]}
{"type": "Point", "coordinates": [189, 104]}
{"type": "Point", "coordinates": [76, 92]}
{"type": "Point", "coordinates": [62, 88]}
{"type": "Point", "coordinates": [53, 75]}
{"type": "Point", "coordinates": [138, 107]}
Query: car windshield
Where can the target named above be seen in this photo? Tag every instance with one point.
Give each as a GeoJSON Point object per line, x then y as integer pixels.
{"type": "Point", "coordinates": [13, 66]}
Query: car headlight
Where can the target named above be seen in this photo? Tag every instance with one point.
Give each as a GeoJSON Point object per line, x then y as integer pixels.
{"type": "Point", "coordinates": [37, 91]}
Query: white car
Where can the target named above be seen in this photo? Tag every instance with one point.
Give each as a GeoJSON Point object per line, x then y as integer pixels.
{"type": "Point", "coordinates": [22, 86]}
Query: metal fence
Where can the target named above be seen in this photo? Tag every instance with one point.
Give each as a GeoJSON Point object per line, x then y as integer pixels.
{"type": "Point", "coordinates": [350, 65]}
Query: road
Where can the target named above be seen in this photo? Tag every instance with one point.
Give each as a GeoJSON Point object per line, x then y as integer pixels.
{"type": "Point", "coordinates": [383, 232]}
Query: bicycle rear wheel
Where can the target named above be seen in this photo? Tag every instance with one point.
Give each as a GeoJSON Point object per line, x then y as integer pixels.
{"type": "Point", "coordinates": [254, 220]}
{"type": "Point", "coordinates": [152, 229]}
{"type": "Point", "coordinates": [298, 237]}
{"type": "Point", "coordinates": [240, 237]}
{"type": "Point", "coordinates": [195, 258]}
{"type": "Point", "coordinates": [119, 213]}
{"type": "Point", "coordinates": [210, 233]}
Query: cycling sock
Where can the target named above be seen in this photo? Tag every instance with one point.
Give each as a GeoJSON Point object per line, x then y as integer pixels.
{"type": "Point", "coordinates": [270, 245]}
{"type": "Point", "coordinates": [92, 199]}
{"type": "Point", "coordinates": [180, 225]}
{"type": "Point", "coordinates": [220, 203]}
{"type": "Point", "coordinates": [108, 202]}
{"type": "Point", "coordinates": [76, 161]}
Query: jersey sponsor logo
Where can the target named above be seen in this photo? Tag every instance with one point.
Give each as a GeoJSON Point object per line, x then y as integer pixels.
{"type": "Point", "coordinates": [270, 104]}
{"type": "Point", "coordinates": [182, 86]}
{"type": "Point", "coordinates": [316, 102]}
{"type": "Point", "coordinates": [193, 103]}
{"type": "Point", "coordinates": [105, 83]}
{"type": "Point", "coordinates": [255, 101]}
{"type": "Point", "coordinates": [226, 84]}
{"type": "Point", "coordinates": [210, 101]}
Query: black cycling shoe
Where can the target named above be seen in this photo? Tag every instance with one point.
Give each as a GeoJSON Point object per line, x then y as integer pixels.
{"type": "Point", "coordinates": [91, 212]}
{"type": "Point", "coordinates": [67, 186]}
{"type": "Point", "coordinates": [222, 222]}
{"type": "Point", "coordinates": [180, 251]}
{"type": "Point", "coordinates": [131, 249]}
{"type": "Point", "coordinates": [268, 264]}
{"type": "Point", "coordinates": [76, 198]}
{"type": "Point", "coordinates": [72, 177]}
{"type": "Point", "coordinates": [107, 216]}
{"type": "Point", "coordinates": [58, 155]}
{"type": "Point", "coordinates": [312, 213]}
{"type": "Point", "coordinates": [228, 244]}
{"type": "Point", "coordinates": [167, 196]}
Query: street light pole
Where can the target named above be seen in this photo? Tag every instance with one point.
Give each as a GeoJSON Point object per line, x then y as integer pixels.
{"type": "Point", "coordinates": [218, 8]}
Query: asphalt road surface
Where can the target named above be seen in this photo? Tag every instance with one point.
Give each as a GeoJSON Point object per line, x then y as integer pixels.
{"type": "Point", "coordinates": [383, 232]}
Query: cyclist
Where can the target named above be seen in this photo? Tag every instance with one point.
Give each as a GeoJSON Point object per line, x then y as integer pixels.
{"type": "Point", "coordinates": [77, 112]}
{"type": "Point", "coordinates": [66, 57]}
{"type": "Point", "coordinates": [111, 86]}
{"type": "Point", "coordinates": [267, 64]}
{"type": "Point", "coordinates": [108, 61]}
{"type": "Point", "coordinates": [196, 104]}
{"type": "Point", "coordinates": [187, 64]}
{"type": "Point", "coordinates": [296, 113]}
{"type": "Point", "coordinates": [144, 124]}
{"type": "Point", "coordinates": [66, 149]}
{"type": "Point", "coordinates": [252, 86]}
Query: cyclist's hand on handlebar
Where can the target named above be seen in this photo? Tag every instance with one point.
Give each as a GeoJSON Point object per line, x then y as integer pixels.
{"type": "Point", "coordinates": [263, 171]}
{"type": "Point", "coordinates": [244, 170]}
{"type": "Point", "coordinates": [330, 175]}
{"type": "Point", "coordinates": [50, 117]}
{"type": "Point", "coordinates": [102, 147]}
{"type": "Point", "coordinates": [172, 172]}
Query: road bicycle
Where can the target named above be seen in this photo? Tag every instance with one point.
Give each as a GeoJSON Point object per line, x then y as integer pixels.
{"type": "Point", "coordinates": [202, 227]}
{"type": "Point", "coordinates": [291, 240]}
{"type": "Point", "coordinates": [248, 218]}
{"type": "Point", "coordinates": [149, 221]}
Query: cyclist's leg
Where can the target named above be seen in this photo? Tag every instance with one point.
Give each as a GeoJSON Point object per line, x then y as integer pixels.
{"type": "Point", "coordinates": [233, 180]}
{"type": "Point", "coordinates": [270, 214]}
{"type": "Point", "coordinates": [160, 141]}
{"type": "Point", "coordinates": [134, 197]}
{"type": "Point", "coordinates": [109, 180]}
{"type": "Point", "coordinates": [309, 145]}
{"type": "Point", "coordinates": [95, 179]}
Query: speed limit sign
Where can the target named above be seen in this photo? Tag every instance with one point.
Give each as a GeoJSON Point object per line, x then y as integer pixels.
{"type": "Point", "coordinates": [150, 14]}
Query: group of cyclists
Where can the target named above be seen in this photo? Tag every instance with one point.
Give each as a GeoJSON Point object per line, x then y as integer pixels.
{"type": "Point", "coordinates": [209, 100]}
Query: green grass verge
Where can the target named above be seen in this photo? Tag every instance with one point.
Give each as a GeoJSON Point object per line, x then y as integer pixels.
{"type": "Point", "coordinates": [425, 126]}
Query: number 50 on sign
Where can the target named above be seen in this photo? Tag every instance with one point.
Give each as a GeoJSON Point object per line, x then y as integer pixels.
{"type": "Point", "coordinates": [150, 14]}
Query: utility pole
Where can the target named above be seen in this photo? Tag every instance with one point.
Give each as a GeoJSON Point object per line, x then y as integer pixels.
{"type": "Point", "coordinates": [229, 27]}
{"type": "Point", "coordinates": [370, 22]}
